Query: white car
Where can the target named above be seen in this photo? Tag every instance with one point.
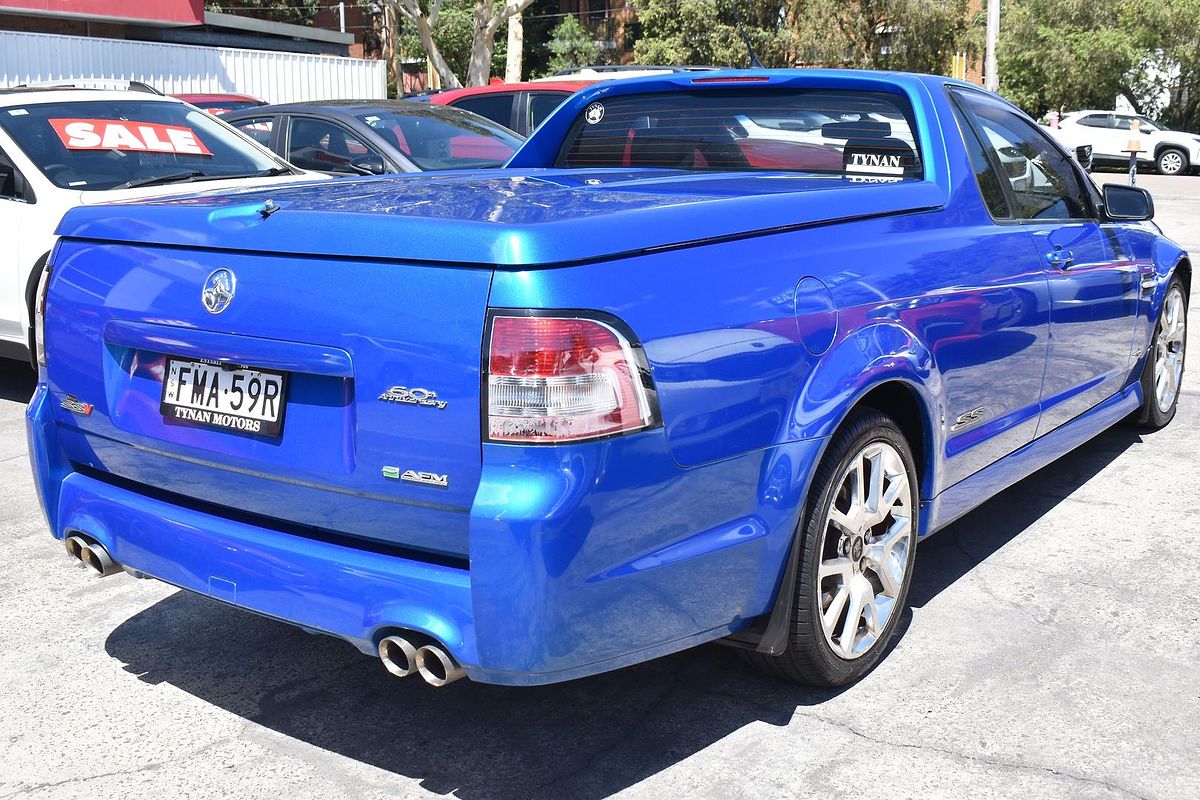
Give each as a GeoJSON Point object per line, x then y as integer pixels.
{"type": "Point", "coordinates": [60, 148]}
{"type": "Point", "coordinates": [1109, 132]}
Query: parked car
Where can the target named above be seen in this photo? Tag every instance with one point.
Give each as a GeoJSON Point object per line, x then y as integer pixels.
{"type": "Point", "coordinates": [631, 394]}
{"type": "Point", "coordinates": [64, 147]}
{"type": "Point", "coordinates": [521, 107]}
{"type": "Point", "coordinates": [218, 104]}
{"type": "Point", "coordinates": [376, 137]}
{"type": "Point", "coordinates": [1169, 152]}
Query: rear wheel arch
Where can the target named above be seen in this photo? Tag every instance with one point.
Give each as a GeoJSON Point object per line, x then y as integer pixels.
{"type": "Point", "coordinates": [1184, 272]}
{"type": "Point", "coordinates": [902, 401]}
{"type": "Point", "coordinates": [903, 404]}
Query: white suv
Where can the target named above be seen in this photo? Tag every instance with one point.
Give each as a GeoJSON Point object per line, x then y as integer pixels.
{"type": "Point", "coordinates": [60, 148]}
{"type": "Point", "coordinates": [1109, 132]}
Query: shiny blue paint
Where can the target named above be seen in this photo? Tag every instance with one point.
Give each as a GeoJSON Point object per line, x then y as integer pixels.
{"type": "Point", "coordinates": [767, 306]}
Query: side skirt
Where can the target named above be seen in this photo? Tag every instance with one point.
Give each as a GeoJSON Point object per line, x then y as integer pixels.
{"type": "Point", "coordinates": [971, 492]}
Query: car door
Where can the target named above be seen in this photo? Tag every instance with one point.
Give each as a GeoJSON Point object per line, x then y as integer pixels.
{"type": "Point", "coordinates": [18, 222]}
{"type": "Point", "coordinates": [1093, 282]}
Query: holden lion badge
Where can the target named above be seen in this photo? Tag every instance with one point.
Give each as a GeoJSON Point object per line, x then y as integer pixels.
{"type": "Point", "coordinates": [218, 290]}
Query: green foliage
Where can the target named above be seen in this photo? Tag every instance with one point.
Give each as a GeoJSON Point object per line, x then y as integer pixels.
{"type": "Point", "coordinates": [571, 45]}
{"type": "Point", "coordinates": [704, 32]}
{"type": "Point", "coordinates": [297, 12]}
{"type": "Point", "coordinates": [913, 35]}
{"type": "Point", "coordinates": [1067, 54]}
{"type": "Point", "coordinates": [453, 35]}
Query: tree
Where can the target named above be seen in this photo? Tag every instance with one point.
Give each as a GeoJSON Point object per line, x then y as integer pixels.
{"type": "Point", "coordinates": [485, 19]}
{"type": "Point", "coordinates": [1067, 54]}
{"type": "Point", "coordinates": [571, 45]}
{"type": "Point", "coordinates": [914, 35]}
{"type": "Point", "coordinates": [705, 32]}
{"type": "Point", "coordinates": [297, 12]}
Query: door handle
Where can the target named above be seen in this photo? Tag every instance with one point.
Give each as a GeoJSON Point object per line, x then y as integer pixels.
{"type": "Point", "coordinates": [1060, 258]}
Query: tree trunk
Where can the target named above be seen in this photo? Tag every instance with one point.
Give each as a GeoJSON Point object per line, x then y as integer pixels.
{"type": "Point", "coordinates": [516, 43]}
{"type": "Point", "coordinates": [479, 69]}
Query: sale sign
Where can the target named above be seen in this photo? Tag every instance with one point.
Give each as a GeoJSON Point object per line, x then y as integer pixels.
{"type": "Point", "coordinates": [120, 134]}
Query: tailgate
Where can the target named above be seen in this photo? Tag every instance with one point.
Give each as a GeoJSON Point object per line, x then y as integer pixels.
{"type": "Point", "coordinates": [378, 364]}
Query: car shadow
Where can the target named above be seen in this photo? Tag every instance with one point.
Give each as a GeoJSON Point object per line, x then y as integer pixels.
{"type": "Point", "coordinates": [17, 381]}
{"type": "Point", "coordinates": [587, 738]}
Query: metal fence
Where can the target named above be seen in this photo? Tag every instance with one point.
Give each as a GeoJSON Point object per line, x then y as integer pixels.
{"type": "Point", "coordinates": [31, 58]}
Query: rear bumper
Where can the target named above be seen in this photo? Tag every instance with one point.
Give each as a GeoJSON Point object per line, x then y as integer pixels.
{"type": "Point", "coordinates": [582, 559]}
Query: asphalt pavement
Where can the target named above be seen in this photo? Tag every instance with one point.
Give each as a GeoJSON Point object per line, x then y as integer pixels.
{"type": "Point", "coordinates": [1051, 651]}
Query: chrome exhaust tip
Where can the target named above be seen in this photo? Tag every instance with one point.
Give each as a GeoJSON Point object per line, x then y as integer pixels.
{"type": "Point", "coordinates": [398, 655]}
{"type": "Point", "coordinates": [75, 546]}
{"type": "Point", "coordinates": [96, 557]}
{"type": "Point", "coordinates": [438, 667]}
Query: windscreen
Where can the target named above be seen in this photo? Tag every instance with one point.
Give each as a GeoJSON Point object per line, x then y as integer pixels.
{"type": "Point", "coordinates": [112, 144]}
{"type": "Point", "coordinates": [859, 135]}
{"type": "Point", "coordinates": [437, 138]}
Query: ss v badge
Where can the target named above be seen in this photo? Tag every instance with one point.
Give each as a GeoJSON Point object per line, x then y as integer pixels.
{"type": "Point", "coordinates": [968, 419]}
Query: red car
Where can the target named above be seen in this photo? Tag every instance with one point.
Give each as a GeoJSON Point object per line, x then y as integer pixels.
{"type": "Point", "coordinates": [520, 107]}
{"type": "Point", "coordinates": [218, 104]}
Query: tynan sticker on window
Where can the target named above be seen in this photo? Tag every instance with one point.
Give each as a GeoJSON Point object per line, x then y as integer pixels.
{"type": "Point", "coordinates": [112, 134]}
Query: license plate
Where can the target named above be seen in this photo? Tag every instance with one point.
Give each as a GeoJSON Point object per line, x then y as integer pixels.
{"type": "Point", "coordinates": [241, 399]}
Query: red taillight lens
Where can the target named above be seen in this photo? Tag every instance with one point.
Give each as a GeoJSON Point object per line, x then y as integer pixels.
{"type": "Point", "coordinates": [560, 379]}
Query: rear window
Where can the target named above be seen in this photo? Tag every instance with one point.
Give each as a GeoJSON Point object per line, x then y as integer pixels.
{"type": "Point", "coordinates": [859, 135]}
{"type": "Point", "coordinates": [111, 144]}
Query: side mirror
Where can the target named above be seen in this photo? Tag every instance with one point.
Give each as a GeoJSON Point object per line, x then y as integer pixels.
{"type": "Point", "coordinates": [1083, 154]}
{"type": "Point", "coordinates": [1147, 129]}
{"type": "Point", "coordinates": [369, 164]}
{"type": "Point", "coordinates": [1127, 202]}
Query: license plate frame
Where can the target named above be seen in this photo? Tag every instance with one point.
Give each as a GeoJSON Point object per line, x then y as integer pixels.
{"type": "Point", "coordinates": [176, 407]}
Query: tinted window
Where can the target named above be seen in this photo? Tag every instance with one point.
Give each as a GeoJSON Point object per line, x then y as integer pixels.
{"type": "Point", "coordinates": [435, 138]}
{"type": "Point", "coordinates": [1096, 120]}
{"type": "Point", "coordinates": [496, 107]}
{"type": "Point", "coordinates": [990, 187]}
{"type": "Point", "coordinates": [8, 177]}
{"type": "Point", "coordinates": [257, 128]}
{"type": "Point", "coordinates": [1043, 180]}
{"type": "Point", "coordinates": [218, 107]}
{"type": "Point", "coordinates": [319, 145]}
{"type": "Point", "coordinates": [97, 145]}
{"type": "Point", "coordinates": [540, 106]}
{"type": "Point", "coordinates": [860, 135]}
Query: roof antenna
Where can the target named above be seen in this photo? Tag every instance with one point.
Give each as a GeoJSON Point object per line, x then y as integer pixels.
{"type": "Point", "coordinates": [754, 62]}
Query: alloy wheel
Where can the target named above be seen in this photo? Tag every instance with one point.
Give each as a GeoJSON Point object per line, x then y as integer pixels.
{"type": "Point", "coordinates": [864, 556]}
{"type": "Point", "coordinates": [1169, 349]}
{"type": "Point", "coordinates": [1170, 163]}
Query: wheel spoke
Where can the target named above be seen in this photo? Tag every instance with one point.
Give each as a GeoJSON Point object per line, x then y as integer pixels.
{"type": "Point", "coordinates": [830, 615]}
{"type": "Point", "coordinates": [835, 566]}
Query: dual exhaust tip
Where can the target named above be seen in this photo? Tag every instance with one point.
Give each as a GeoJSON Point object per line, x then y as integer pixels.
{"type": "Point", "coordinates": [402, 658]}
{"type": "Point", "coordinates": [92, 555]}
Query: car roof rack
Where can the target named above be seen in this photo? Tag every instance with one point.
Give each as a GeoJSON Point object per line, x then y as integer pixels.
{"type": "Point", "coordinates": [636, 68]}
{"type": "Point", "coordinates": [55, 86]}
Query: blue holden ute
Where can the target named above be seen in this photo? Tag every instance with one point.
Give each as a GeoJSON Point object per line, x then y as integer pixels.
{"type": "Point", "coordinates": [705, 361]}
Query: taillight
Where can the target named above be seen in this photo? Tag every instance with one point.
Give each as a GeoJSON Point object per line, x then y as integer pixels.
{"type": "Point", "coordinates": [39, 316]}
{"type": "Point", "coordinates": [564, 378]}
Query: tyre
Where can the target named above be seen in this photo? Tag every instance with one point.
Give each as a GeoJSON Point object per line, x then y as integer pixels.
{"type": "Point", "coordinates": [858, 540]}
{"type": "Point", "coordinates": [1163, 373]}
{"type": "Point", "coordinates": [1171, 161]}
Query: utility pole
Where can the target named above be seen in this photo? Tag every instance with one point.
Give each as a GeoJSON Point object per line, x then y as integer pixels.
{"type": "Point", "coordinates": [991, 76]}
